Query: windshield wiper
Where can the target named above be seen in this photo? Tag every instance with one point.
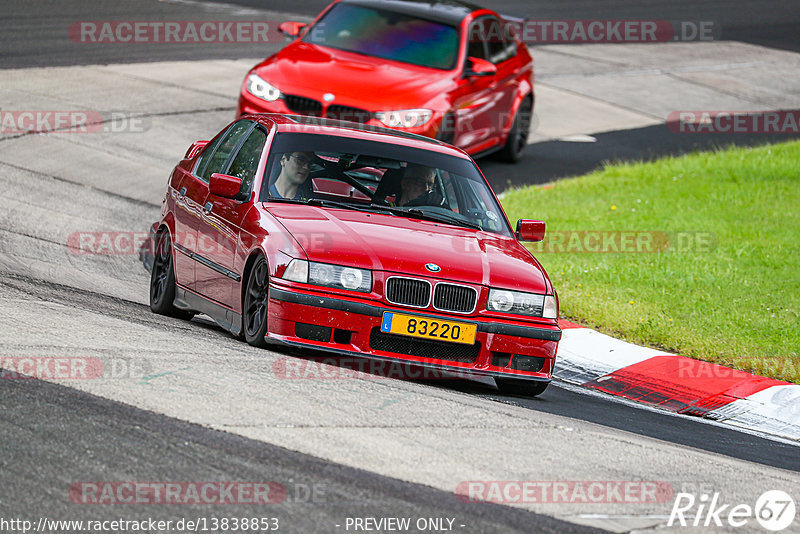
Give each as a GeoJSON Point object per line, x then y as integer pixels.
{"type": "Point", "coordinates": [287, 200]}
{"type": "Point", "coordinates": [417, 213]}
{"type": "Point", "coordinates": [335, 204]}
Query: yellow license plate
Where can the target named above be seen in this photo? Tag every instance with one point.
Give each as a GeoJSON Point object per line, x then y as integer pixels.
{"type": "Point", "coordinates": [428, 328]}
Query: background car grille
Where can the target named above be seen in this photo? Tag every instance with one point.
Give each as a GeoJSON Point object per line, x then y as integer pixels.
{"type": "Point", "coordinates": [346, 113]}
{"type": "Point", "coordinates": [437, 350]}
{"type": "Point", "coordinates": [408, 292]}
{"type": "Point", "coordinates": [449, 297]}
{"type": "Point", "coordinates": [303, 105]}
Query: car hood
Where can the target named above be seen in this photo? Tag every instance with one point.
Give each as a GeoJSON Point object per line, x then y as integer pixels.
{"type": "Point", "coordinates": [355, 80]}
{"type": "Point", "coordinates": [396, 244]}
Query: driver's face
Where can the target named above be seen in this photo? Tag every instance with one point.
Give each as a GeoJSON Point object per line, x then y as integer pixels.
{"type": "Point", "coordinates": [297, 165]}
{"type": "Point", "coordinates": [418, 184]}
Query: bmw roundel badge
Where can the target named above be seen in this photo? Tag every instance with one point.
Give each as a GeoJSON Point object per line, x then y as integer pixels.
{"type": "Point", "coordinates": [432, 267]}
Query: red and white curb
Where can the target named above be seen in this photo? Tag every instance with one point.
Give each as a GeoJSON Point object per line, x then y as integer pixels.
{"type": "Point", "coordinates": [676, 383]}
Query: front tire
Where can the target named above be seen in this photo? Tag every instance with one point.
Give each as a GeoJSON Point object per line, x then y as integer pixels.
{"type": "Point", "coordinates": [518, 134]}
{"type": "Point", "coordinates": [256, 298]}
{"type": "Point", "coordinates": [162, 280]}
{"type": "Point", "coordinates": [523, 388]}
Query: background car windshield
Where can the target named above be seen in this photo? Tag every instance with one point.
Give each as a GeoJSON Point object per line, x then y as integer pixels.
{"type": "Point", "coordinates": [387, 35]}
{"type": "Point", "coordinates": [374, 176]}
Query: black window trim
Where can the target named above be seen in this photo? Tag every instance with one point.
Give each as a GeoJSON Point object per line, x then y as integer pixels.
{"type": "Point", "coordinates": [243, 195]}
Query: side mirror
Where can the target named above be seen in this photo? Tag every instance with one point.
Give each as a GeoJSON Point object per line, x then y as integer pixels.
{"type": "Point", "coordinates": [196, 147]}
{"type": "Point", "coordinates": [292, 29]}
{"type": "Point", "coordinates": [530, 230]}
{"type": "Point", "coordinates": [224, 186]}
{"type": "Point", "coordinates": [480, 67]}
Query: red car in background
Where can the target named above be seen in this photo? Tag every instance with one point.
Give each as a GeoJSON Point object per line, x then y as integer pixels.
{"type": "Point", "coordinates": [358, 241]}
{"type": "Point", "coordinates": [447, 70]}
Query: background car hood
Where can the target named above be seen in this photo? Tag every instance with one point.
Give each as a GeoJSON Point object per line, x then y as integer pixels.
{"type": "Point", "coordinates": [355, 80]}
{"type": "Point", "coordinates": [400, 245]}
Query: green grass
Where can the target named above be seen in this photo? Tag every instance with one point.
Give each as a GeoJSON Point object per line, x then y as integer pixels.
{"type": "Point", "coordinates": [734, 301]}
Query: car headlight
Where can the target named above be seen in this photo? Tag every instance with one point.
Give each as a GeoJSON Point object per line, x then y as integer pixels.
{"type": "Point", "coordinates": [297, 271]}
{"type": "Point", "coordinates": [326, 274]}
{"type": "Point", "coordinates": [259, 87]}
{"type": "Point", "coordinates": [405, 118]}
{"type": "Point", "coordinates": [521, 303]}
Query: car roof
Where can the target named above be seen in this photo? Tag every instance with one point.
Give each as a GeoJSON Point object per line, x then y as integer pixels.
{"type": "Point", "coordinates": [450, 12]}
{"type": "Point", "coordinates": [325, 126]}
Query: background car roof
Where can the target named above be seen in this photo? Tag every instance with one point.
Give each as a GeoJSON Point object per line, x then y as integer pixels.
{"type": "Point", "coordinates": [325, 126]}
{"type": "Point", "coordinates": [450, 12]}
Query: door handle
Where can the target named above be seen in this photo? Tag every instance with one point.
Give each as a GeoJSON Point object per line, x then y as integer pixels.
{"type": "Point", "coordinates": [208, 207]}
{"type": "Point", "coordinates": [182, 192]}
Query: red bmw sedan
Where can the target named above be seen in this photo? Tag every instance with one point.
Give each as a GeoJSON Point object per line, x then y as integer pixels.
{"type": "Point", "coordinates": [447, 70]}
{"type": "Point", "coordinates": [358, 241]}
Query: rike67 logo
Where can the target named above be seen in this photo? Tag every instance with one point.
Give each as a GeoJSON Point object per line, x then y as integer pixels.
{"type": "Point", "coordinates": [774, 510]}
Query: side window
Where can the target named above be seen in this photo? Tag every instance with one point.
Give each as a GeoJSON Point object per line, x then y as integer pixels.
{"type": "Point", "coordinates": [476, 46]}
{"type": "Point", "coordinates": [510, 41]}
{"type": "Point", "coordinates": [498, 42]}
{"type": "Point", "coordinates": [245, 163]}
{"type": "Point", "coordinates": [223, 151]}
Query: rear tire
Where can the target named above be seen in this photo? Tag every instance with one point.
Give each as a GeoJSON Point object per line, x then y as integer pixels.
{"type": "Point", "coordinates": [162, 280]}
{"type": "Point", "coordinates": [517, 140]}
{"type": "Point", "coordinates": [254, 305]}
{"type": "Point", "coordinates": [523, 388]}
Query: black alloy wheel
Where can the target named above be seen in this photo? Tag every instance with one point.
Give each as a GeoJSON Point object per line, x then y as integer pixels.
{"type": "Point", "coordinates": [162, 280]}
{"type": "Point", "coordinates": [518, 135]}
{"type": "Point", "coordinates": [256, 298]}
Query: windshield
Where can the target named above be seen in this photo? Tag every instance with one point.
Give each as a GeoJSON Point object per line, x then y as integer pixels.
{"type": "Point", "coordinates": [387, 35]}
{"type": "Point", "coordinates": [345, 173]}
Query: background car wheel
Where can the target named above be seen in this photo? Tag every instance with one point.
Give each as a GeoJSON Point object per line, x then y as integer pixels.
{"type": "Point", "coordinates": [256, 297]}
{"type": "Point", "coordinates": [518, 135]}
{"type": "Point", "coordinates": [526, 388]}
{"type": "Point", "coordinates": [162, 280]}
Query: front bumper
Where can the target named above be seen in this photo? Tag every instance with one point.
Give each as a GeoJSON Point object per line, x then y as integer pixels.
{"type": "Point", "coordinates": [352, 327]}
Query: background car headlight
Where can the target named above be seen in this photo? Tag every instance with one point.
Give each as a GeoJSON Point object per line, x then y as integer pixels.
{"type": "Point", "coordinates": [521, 303]}
{"type": "Point", "coordinates": [405, 118]}
{"type": "Point", "coordinates": [259, 87]}
{"type": "Point", "coordinates": [326, 274]}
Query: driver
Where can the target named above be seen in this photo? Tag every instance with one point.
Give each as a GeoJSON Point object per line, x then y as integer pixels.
{"type": "Point", "coordinates": [292, 182]}
{"type": "Point", "coordinates": [417, 181]}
